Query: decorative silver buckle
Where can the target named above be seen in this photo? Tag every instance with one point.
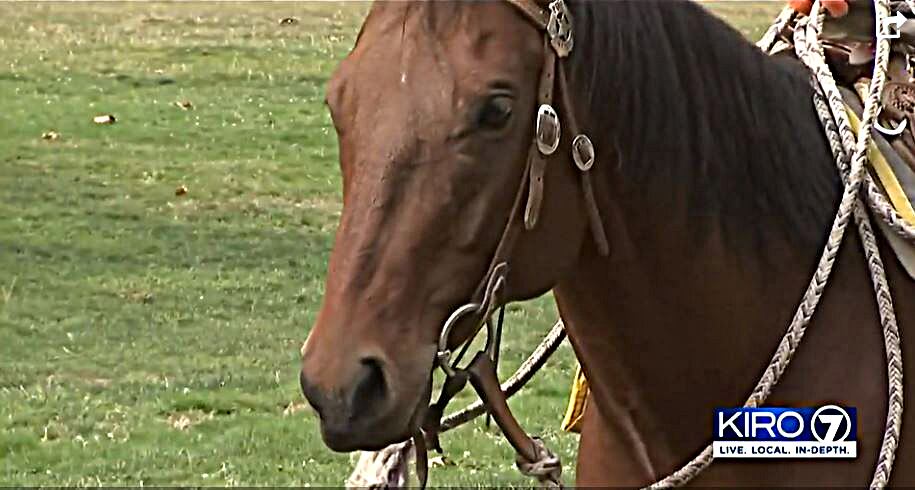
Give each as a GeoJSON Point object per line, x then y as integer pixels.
{"type": "Point", "coordinates": [547, 130]}
{"type": "Point", "coordinates": [583, 152]}
{"type": "Point", "coordinates": [559, 28]}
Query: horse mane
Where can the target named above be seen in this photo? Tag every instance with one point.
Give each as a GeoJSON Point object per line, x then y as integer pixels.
{"type": "Point", "coordinates": [698, 114]}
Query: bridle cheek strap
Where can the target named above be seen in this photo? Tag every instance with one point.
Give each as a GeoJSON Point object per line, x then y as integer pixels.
{"type": "Point", "coordinates": [547, 132]}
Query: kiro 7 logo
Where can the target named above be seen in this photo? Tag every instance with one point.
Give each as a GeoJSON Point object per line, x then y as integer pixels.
{"type": "Point", "coordinates": [829, 431]}
{"type": "Point", "coordinates": [829, 422]}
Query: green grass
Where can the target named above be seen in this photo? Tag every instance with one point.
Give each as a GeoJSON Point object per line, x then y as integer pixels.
{"type": "Point", "coordinates": [150, 338]}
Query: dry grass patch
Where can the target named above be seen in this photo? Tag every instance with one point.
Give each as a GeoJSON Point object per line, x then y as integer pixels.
{"type": "Point", "coordinates": [295, 407]}
{"type": "Point", "coordinates": [186, 419]}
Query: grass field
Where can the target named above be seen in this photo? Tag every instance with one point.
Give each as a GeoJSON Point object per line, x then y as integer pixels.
{"type": "Point", "coordinates": [152, 338]}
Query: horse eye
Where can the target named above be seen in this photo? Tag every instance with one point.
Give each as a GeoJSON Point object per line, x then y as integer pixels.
{"type": "Point", "coordinates": [495, 113]}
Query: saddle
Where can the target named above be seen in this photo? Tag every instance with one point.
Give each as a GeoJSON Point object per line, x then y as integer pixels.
{"type": "Point", "coordinates": [849, 43]}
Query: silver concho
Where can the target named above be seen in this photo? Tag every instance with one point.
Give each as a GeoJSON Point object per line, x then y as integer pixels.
{"type": "Point", "coordinates": [559, 28]}
{"type": "Point", "coordinates": [583, 152]}
{"type": "Point", "coordinates": [547, 130]}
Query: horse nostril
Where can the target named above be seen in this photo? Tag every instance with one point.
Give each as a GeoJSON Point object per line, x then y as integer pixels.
{"type": "Point", "coordinates": [311, 394]}
{"type": "Point", "coordinates": [370, 387]}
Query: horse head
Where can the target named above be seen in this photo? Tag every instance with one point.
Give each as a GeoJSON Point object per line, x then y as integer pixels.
{"type": "Point", "coordinates": [434, 110]}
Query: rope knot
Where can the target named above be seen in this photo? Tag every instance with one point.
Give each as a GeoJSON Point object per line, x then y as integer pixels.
{"type": "Point", "coordinates": [547, 469]}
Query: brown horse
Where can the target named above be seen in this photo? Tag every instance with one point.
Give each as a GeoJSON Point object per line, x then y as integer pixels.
{"type": "Point", "coordinates": [715, 187]}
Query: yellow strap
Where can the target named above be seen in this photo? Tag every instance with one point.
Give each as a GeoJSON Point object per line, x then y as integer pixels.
{"type": "Point", "coordinates": [576, 409]}
{"type": "Point", "coordinates": [885, 173]}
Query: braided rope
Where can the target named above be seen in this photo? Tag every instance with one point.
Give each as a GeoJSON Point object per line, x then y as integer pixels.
{"type": "Point", "coordinates": [768, 39]}
{"type": "Point", "coordinates": [887, 455]}
{"type": "Point", "coordinates": [833, 115]}
{"type": "Point", "coordinates": [888, 215]}
{"type": "Point", "coordinates": [887, 314]}
{"type": "Point", "coordinates": [512, 385]}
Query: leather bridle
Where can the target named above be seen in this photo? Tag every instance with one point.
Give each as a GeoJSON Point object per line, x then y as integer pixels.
{"type": "Point", "coordinates": [556, 23]}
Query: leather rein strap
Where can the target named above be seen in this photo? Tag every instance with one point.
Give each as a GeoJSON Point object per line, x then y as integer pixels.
{"type": "Point", "coordinates": [533, 457]}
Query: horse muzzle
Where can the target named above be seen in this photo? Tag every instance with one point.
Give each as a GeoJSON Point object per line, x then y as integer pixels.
{"type": "Point", "coordinates": [365, 413]}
